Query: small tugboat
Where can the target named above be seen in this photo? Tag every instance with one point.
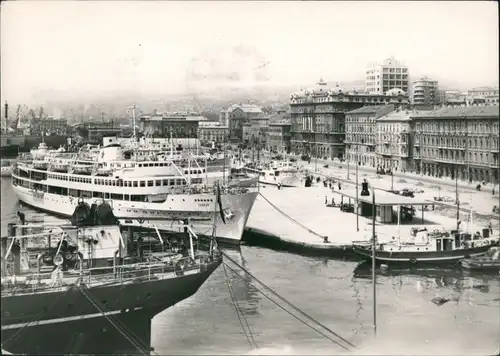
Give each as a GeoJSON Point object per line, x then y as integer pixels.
{"type": "Point", "coordinates": [86, 288]}
{"type": "Point", "coordinates": [429, 247]}
{"type": "Point", "coordinates": [488, 263]}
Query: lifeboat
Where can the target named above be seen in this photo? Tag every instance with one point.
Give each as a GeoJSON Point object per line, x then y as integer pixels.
{"type": "Point", "coordinates": [40, 164]}
{"type": "Point", "coordinates": [60, 166]}
{"type": "Point", "coordinates": [82, 169]}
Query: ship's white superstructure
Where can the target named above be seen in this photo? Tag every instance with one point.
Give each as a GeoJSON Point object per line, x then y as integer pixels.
{"type": "Point", "coordinates": [151, 189]}
{"type": "Point", "coordinates": [284, 173]}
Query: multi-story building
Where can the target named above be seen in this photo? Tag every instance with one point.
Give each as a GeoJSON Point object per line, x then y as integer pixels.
{"type": "Point", "coordinates": [483, 95]}
{"type": "Point", "coordinates": [53, 126]}
{"type": "Point", "coordinates": [212, 132]}
{"type": "Point", "coordinates": [236, 115]}
{"type": "Point", "coordinates": [278, 138]}
{"type": "Point", "coordinates": [425, 92]}
{"type": "Point", "coordinates": [384, 76]}
{"type": "Point", "coordinates": [318, 117]}
{"type": "Point", "coordinates": [361, 133]}
{"type": "Point", "coordinates": [95, 131]}
{"type": "Point", "coordinates": [457, 139]}
{"type": "Point", "coordinates": [176, 126]}
{"type": "Point", "coordinates": [393, 141]}
{"type": "Point", "coordinates": [453, 98]}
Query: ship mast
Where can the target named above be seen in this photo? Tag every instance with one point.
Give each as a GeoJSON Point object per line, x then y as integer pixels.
{"type": "Point", "coordinates": [6, 116]}
{"type": "Point", "coordinates": [133, 123]}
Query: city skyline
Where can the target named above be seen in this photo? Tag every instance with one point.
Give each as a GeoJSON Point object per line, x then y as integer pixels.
{"type": "Point", "coordinates": [156, 48]}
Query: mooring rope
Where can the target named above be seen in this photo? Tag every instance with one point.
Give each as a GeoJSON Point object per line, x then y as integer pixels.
{"type": "Point", "coordinates": [290, 313]}
{"type": "Point", "coordinates": [289, 304]}
{"type": "Point", "coordinates": [239, 313]}
{"type": "Point", "coordinates": [292, 219]}
{"type": "Point", "coordinates": [127, 334]}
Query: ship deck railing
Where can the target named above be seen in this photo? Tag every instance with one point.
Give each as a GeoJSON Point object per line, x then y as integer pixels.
{"type": "Point", "coordinates": [47, 282]}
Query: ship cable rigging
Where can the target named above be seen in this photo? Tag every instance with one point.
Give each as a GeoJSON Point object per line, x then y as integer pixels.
{"type": "Point", "coordinates": [292, 219]}
{"type": "Point", "coordinates": [241, 317]}
{"type": "Point", "coordinates": [122, 329]}
{"type": "Point", "coordinates": [345, 341]}
{"type": "Point", "coordinates": [37, 318]}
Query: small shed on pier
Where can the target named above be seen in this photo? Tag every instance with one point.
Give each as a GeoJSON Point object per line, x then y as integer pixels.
{"type": "Point", "coordinates": [384, 204]}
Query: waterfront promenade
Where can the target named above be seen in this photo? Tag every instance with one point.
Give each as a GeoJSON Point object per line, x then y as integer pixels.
{"type": "Point", "coordinates": [482, 202]}
{"type": "Point", "coordinates": [300, 217]}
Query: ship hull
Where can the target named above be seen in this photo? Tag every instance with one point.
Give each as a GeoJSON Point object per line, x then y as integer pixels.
{"type": "Point", "coordinates": [166, 216]}
{"type": "Point", "coordinates": [65, 322]}
{"type": "Point", "coordinates": [420, 258]}
{"type": "Point", "coordinates": [291, 182]}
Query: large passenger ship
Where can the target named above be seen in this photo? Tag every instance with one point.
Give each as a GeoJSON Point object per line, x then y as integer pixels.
{"type": "Point", "coordinates": [150, 189]}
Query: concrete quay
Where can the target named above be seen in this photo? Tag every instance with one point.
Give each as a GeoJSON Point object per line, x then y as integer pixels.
{"type": "Point", "coordinates": [481, 202]}
{"type": "Point", "coordinates": [305, 219]}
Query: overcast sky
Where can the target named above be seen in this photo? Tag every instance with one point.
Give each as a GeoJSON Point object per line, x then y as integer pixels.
{"type": "Point", "coordinates": [173, 47]}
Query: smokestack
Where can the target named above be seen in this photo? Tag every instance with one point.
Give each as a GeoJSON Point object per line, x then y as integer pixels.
{"type": "Point", "coordinates": [6, 111]}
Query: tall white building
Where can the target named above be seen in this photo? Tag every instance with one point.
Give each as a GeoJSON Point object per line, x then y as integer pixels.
{"type": "Point", "coordinates": [425, 92]}
{"type": "Point", "coordinates": [483, 95]}
{"type": "Point", "coordinates": [384, 76]}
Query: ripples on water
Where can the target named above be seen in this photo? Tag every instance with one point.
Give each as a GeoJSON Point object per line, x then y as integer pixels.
{"type": "Point", "coordinates": [336, 293]}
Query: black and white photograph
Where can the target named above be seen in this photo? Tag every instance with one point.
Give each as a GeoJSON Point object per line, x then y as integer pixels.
{"type": "Point", "coordinates": [249, 177]}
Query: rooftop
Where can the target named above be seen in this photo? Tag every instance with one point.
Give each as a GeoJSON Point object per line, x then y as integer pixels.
{"type": "Point", "coordinates": [456, 112]}
{"type": "Point", "coordinates": [248, 108]}
{"type": "Point", "coordinates": [371, 109]}
{"type": "Point", "coordinates": [400, 115]}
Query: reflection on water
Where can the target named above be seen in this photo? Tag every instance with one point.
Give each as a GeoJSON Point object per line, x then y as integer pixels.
{"type": "Point", "coordinates": [338, 293]}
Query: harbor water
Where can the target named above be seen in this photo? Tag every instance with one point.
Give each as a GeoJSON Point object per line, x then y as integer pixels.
{"type": "Point", "coordinates": [337, 293]}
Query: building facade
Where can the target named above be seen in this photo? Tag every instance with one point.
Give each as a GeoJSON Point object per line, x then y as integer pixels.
{"type": "Point", "coordinates": [453, 98]}
{"type": "Point", "coordinates": [212, 132]}
{"type": "Point", "coordinates": [239, 112]}
{"type": "Point", "coordinates": [384, 76]}
{"type": "Point", "coordinates": [458, 140]}
{"type": "Point", "coordinates": [425, 91]}
{"type": "Point", "coordinates": [177, 127]}
{"type": "Point", "coordinates": [97, 130]}
{"type": "Point", "coordinates": [278, 138]}
{"type": "Point", "coordinates": [393, 141]}
{"type": "Point", "coordinates": [318, 117]}
{"type": "Point", "coordinates": [483, 95]}
{"type": "Point", "coordinates": [361, 133]}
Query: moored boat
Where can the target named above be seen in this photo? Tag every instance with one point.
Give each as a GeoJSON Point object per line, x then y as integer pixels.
{"type": "Point", "coordinates": [141, 191]}
{"type": "Point", "coordinates": [429, 247]}
{"type": "Point", "coordinates": [86, 288]}
{"type": "Point", "coordinates": [490, 262]}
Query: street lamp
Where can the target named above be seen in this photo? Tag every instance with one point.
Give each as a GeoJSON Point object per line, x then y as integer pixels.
{"type": "Point", "coordinates": [374, 276]}
{"type": "Point", "coordinates": [357, 188]}
{"type": "Point", "coordinates": [392, 176]}
{"type": "Point", "coordinates": [348, 156]}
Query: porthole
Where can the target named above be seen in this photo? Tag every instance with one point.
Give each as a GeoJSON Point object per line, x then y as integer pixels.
{"type": "Point", "coordinates": [148, 296]}
{"type": "Point", "coordinates": [104, 302]}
